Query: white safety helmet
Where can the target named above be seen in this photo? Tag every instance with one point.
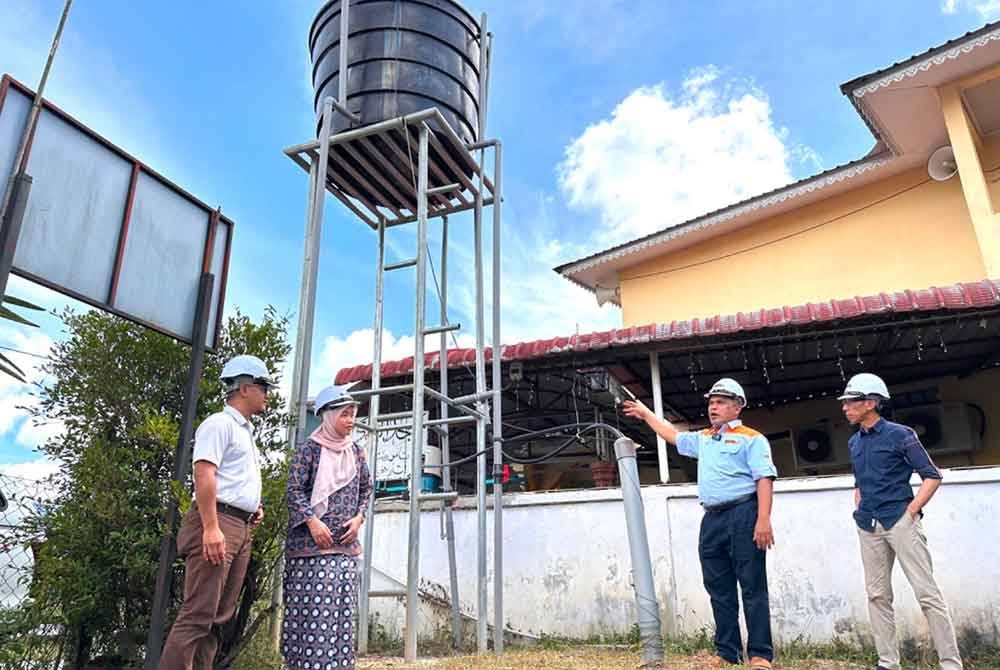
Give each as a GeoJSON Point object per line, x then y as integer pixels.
{"type": "Point", "coordinates": [332, 397]}
{"type": "Point", "coordinates": [865, 385]}
{"type": "Point", "coordinates": [728, 388]}
{"type": "Point", "coordinates": [246, 365]}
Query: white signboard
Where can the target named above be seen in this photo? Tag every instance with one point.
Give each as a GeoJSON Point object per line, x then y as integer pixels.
{"type": "Point", "coordinates": [103, 228]}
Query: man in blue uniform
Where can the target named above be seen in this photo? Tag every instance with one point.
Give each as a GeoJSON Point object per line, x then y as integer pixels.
{"type": "Point", "coordinates": [735, 486]}
{"type": "Point", "coordinates": [884, 455]}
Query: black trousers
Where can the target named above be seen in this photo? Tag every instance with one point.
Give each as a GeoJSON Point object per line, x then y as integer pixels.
{"type": "Point", "coordinates": [730, 559]}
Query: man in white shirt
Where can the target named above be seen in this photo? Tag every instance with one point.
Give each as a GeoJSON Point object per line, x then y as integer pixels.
{"type": "Point", "coordinates": [214, 537]}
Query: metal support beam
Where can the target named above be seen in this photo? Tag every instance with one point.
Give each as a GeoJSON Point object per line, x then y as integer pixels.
{"type": "Point", "coordinates": [304, 333]}
{"type": "Point", "coordinates": [182, 468]}
{"type": "Point", "coordinates": [445, 441]}
{"type": "Point", "coordinates": [480, 309]}
{"type": "Point", "coordinates": [661, 444]}
{"type": "Point", "coordinates": [364, 603]}
{"type": "Point", "coordinates": [416, 457]}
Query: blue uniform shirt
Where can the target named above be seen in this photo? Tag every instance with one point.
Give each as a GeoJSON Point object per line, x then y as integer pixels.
{"type": "Point", "coordinates": [730, 461]}
{"type": "Point", "coordinates": [883, 459]}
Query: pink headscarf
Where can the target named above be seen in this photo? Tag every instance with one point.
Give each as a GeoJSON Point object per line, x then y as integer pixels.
{"type": "Point", "coordinates": [337, 463]}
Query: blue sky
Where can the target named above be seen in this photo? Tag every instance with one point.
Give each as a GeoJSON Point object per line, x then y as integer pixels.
{"type": "Point", "coordinates": [619, 117]}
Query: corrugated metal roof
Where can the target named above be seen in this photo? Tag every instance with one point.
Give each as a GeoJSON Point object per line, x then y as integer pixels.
{"type": "Point", "coordinates": [956, 297]}
{"type": "Point", "coordinates": [847, 87]}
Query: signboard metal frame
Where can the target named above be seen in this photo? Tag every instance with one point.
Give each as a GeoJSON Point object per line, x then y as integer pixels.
{"type": "Point", "coordinates": [213, 219]}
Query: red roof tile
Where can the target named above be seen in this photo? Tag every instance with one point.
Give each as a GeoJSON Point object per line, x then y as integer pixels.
{"type": "Point", "coordinates": [957, 297]}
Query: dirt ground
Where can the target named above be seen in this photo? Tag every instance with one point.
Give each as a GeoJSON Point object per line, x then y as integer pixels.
{"type": "Point", "coordinates": [575, 659]}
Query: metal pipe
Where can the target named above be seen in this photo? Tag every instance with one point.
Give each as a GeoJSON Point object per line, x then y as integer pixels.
{"type": "Point", "coordinates": [473, 397]}
{"type": "Point", "coordinates": [364, 604]}
{"type": "Point", "coordinates": [461, 408]}
{"type": "Point", "coordinates": [447, 188]}
{"type": "Point", "coordinates": [385, 390]}
{"type": "Point", "coordinates": [304, 334]}
{"type": "Point", "coordinates": [481, 558]}
{"type": "Point", "coordinates": [354, 118]}
{"type": "Point", "coordinates": [445, 496]}
{"type": "Point", "coordinates": [416, 456]}
{"type": "Point", "coordinates": [392, 416]}
{"type": "Point", "coordinates": [484, 144]}
{"type": "Point", "coordinates": [647, 607]}
{"type": "Point", "coordinates": [398, 123]}
{"type": "Point", "coordinates": [661, 444]}
{"type": "Point", "coordinates": [498, 573]}
{"type": "Point", "coordinates": [345, 14]}
{"type": "Point", "coordinates": [449, 517]}
{"type": "Point", "coordinates": [19, 164]}
{"type": "Point", "coordinates": [449, 420]}
{"type": "Point", "coordinates": [11, 216]}
{"type": "Point", "coordinates": [447, 328]}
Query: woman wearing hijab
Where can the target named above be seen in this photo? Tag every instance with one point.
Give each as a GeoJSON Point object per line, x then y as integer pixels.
{"type": "Point", "coordinates": [328, 488]}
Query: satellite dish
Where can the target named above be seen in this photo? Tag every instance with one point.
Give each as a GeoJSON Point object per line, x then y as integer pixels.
{"type": "Point", "coordinates": [942, 166]}
{"type": "Point", "coordinates": [606, 295]}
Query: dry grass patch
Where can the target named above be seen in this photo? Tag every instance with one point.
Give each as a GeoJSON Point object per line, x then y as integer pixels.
{"type": "Point", "coordinates": [575, 658]}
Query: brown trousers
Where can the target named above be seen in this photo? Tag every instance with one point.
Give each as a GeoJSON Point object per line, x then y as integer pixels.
{"type": "Point", "coordinates": [210, 593]}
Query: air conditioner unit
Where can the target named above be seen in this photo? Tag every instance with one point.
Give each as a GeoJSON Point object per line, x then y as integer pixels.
{"type": "Point", "coordinates": [821, 446]}
{"type": "Point", "coordinates": [945, 428]}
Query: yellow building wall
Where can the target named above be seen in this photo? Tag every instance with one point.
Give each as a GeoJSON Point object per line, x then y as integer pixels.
{"type": "Point", "coordinates": [901, 233]}
{"type": "Point", "coordinates": [991, 166]}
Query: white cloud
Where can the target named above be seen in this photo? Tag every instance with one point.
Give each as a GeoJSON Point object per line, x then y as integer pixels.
{"type": "Point", "coordinates": [357, 348]}
{"type": "Point", "coordinates": [987, 9]}
{"type": "Point", "coordinates": [33, 470]}
{"type": "Point", "coordinates": [663, 157]}
{"type": "Point", "coordinates": [16, 398]}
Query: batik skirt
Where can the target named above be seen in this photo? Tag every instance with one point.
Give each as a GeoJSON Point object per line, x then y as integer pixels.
{"type": "Point", "coordinates": [320, 604]}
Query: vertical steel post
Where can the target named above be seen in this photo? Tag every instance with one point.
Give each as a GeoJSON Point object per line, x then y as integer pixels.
{"type": "Point", "coordinates": [481, 576]}
{"type": "Point", "coordinates": [345, 13]}
{"type": "Point", "coordinates": [498, 616]}
{"type": "Point", "coordinates": [182, 468]}
{"type": "Point", "coordinates": [638, 544]}
{"type": "Point", "coordinates": [364, 605]}
{"type": "Point", "coordinates": [661, 444]}
{"type": "Point", "coordinates": [416, 456]}
{"type": "Point", "coordinates": [307, 312]}
{"type": "Point", "coordinates": [446, 506]}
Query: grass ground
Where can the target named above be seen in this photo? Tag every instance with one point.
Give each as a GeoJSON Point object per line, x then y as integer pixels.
{"type": "Point", "coordinates": [577, 658]}
{"type": "Point", "coordinates": [593, 657]}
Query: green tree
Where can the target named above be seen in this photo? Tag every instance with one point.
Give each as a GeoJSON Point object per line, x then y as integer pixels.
{"type": "Point", "coordinates": [117, 390]}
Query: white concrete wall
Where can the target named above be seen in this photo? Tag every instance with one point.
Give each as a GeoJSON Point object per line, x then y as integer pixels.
{"type": "Point", "coordinates": [566, 560]}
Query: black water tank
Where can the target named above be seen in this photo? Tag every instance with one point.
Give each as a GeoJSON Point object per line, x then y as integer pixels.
{"type": "Point", "coordinates": [404, 56]}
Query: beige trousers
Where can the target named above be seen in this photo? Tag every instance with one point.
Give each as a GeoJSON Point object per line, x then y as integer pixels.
{"type": "Point", "coordinates": [879, 550]}
{"type": "Point", "coordinates": [211, 593]}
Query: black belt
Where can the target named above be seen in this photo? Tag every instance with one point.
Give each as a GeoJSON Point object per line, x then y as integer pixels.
{"type": "Point", "coordinates": [230, 510]}
{"type": "Point", "coordinates": [722, 507]}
